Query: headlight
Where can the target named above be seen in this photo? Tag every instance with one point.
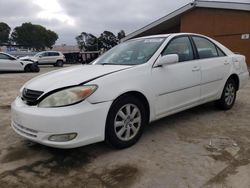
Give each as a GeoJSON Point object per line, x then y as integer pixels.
{"type": "Point", "coordinates": [68, 96]}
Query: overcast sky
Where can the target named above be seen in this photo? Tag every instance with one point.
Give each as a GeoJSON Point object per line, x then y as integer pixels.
{"type": "Point", "coordinates": [70, 17]}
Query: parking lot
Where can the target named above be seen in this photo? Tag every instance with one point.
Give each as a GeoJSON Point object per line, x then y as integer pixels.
{"type": "Point", "coordinates": [200, 147]}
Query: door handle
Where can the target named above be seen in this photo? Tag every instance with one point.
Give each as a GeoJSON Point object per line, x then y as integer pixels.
{"type": "Point", "coordinates": [226, 63]}
{"type": "Point", "coordinates": [195, 68]}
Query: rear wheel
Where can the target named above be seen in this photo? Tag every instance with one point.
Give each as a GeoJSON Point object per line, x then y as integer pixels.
{"type": "Point", "coordinates": [125, 122]}
{"type": "Point", "coordinates": [59, 63]}
{"type": "Point", "coordinates": [228, 96]}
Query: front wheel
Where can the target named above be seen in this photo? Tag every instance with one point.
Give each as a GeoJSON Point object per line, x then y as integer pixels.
{"type": "Point", "coordinates": [125, 122]}
{"type": "Point", "coordinates": [27, 68]}
{"type": "Point", "coordinates": [228, 96]}
{"type": "Point", "coordinates": [34, 68]}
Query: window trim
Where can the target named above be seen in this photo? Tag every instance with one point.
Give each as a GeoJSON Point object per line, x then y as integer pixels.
{"type": "Point", "coordinates": [53, 54]}
{"type": "Point", "coordinates": [180, 36]}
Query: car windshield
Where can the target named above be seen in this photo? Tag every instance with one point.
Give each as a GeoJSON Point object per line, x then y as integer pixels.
{"type": "Point", "coordinates": [131, 53]}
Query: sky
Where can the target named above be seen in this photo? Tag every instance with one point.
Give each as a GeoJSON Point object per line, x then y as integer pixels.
{"type": "Point", "coordinates": [68, 18]}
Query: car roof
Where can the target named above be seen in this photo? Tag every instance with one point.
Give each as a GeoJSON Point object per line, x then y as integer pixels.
{"type": "Point", "coordinates": [167, 35]}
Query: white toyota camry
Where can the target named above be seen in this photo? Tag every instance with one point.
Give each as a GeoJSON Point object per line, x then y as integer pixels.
{"type": "Point", "coordinates": [131, 85]}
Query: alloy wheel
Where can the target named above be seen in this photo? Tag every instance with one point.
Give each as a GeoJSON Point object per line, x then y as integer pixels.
{"type": "Point", "coordinates": [229, 94]}
{"type": "Point", "coordinates": [127, 122]}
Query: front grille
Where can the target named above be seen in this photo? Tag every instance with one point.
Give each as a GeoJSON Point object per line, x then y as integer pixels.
{"type": "Point", "coordinates": [31, 96]}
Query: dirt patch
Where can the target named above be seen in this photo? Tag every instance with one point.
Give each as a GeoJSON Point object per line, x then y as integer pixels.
{"type": "Point", "coordinates": [5, 107]}
{"type": "Point", "coordinates": [242, 159]}
{"type": "Point", "coordinates": [119, 176]}
{"type": "Point", "coordinates": [61, 162]}
{"type": "Point", "coordinates": [15, 154]}
{"type": "Point", "coordinates": [66, 168]}
{"type": "Point", "coordinates": [224, 156]}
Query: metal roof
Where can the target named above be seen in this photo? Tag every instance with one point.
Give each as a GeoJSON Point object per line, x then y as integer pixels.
{"type": "Point", "coordinates": [177, 13]}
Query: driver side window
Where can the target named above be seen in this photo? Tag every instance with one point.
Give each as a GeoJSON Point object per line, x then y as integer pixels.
{"type": "Point", "coordinates": [180, 46]}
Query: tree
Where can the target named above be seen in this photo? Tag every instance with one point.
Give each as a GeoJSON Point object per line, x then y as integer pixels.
{"type": "Point", "coordinates": [50, 38]}
{"type": "Point", "coordinates": [121, 35]}
{"type": "Point", "coordinates": [107, 40]}
{"type": "Point", "coordinates": [4, 32]}
{"type": "Point", "coordinates": [87, 42]}
{"type": "Point", "coordinates": [34, 36]}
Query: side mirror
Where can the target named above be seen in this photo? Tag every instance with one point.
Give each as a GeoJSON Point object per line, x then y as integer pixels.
{"type": "Point", "coordinates": [167, 59]}
{"type": "Point", "coordinates": [40, 56]}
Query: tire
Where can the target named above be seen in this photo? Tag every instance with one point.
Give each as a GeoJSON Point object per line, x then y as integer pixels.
{"type": "Point", "coordinates": [27, 68]}
{"type": "Point", "coordinates": [228, 96]}
{"type": "Point", "coordinates": [59, 63]}
{"type": "Point", "coordinates": [34, 68]}
{"type": "Point", "coordinates": [124, 128]}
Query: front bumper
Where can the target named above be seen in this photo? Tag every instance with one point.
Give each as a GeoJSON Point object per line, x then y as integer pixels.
{"type": "Point", "coordinates": [38, 124]}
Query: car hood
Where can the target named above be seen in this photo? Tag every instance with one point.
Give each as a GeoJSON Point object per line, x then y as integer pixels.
{"type": "Point", "coordinates": [28, 58]}
{"type": "Point", "coordinates": [71, 76]}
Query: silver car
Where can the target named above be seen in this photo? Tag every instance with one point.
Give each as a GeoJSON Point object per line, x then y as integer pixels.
{"type": "Point", "coordinates": [47, 58]}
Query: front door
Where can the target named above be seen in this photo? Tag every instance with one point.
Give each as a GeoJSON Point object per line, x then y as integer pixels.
{"type": "Point", "coordinates": [44, 58]}
{"type": "Point", "coordinates": [177, 86]}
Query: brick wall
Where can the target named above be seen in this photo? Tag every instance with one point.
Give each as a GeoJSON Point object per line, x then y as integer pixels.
{"type": "Point", "coordinates": [226, 26]}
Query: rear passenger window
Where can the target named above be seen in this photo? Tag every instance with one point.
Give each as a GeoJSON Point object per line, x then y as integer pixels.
{"type": "Point", "coordinates": [206, 49]}
{"type": "Point", "coordinates": [180, 46]}
{"type": "Point", "coordinates": [53, 54]}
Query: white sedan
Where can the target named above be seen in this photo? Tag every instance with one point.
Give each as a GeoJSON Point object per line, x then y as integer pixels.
{"type": "Point", "coordinates": [131, 85]}
{"type": "Point", "coordinates": [10, 63]}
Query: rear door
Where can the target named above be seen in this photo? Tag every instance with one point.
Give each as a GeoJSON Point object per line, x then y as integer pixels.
{"type": "Point", "coordinates": [53, 57]}
{"type": "Point", "coordinates": [177, 86]}
{"type": "Point", "coordinates": [214, 67]}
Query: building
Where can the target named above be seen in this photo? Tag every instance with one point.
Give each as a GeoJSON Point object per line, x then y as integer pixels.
{"type": "Point", "coordinates": [226, 22]}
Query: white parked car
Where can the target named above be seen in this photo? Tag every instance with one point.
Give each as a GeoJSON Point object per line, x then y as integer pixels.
{"type": "Point", "coordinates": [10, 63]}
{"type": "Point", "coordinates": [131, 85]}
{"type": "Point", "coordinates": [47, 58]}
